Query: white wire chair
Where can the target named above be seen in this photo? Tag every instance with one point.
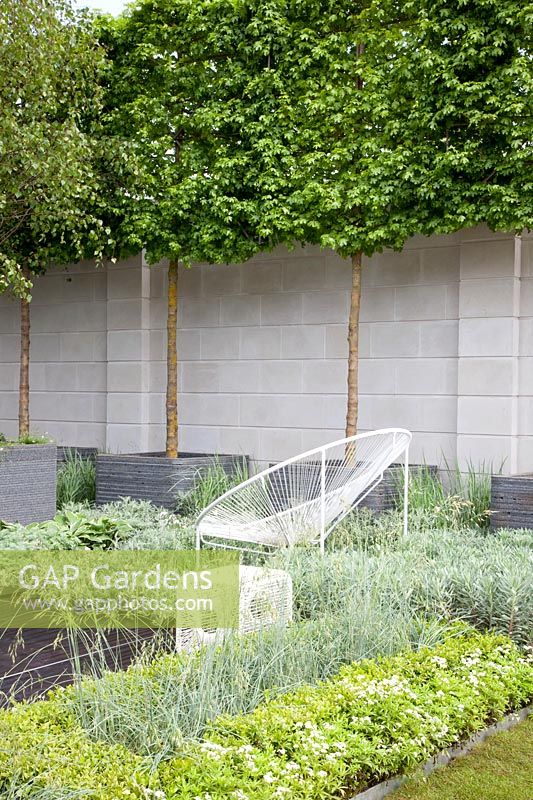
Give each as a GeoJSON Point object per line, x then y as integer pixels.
{"type": "Point", "coordinates": [302, 499]}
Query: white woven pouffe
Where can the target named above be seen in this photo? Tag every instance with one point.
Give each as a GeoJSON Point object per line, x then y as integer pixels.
{"type": "Point", "coordinates": [265, 599]}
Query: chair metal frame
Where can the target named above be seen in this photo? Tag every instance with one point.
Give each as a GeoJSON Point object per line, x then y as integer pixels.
{"type": "Point", "coordinates": [325, 527]}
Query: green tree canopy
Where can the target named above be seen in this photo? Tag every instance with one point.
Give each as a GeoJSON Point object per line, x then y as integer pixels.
{"type": "Point", "coordinates": [348, 125]}
{"type": "Point", "coordinates": [49, 181]}
{"type": "Point", "coordinates": [456, 82]}
{"type": "Point", "coordinates": [171, 95]}
{"type": "Point", "coordinates": [373, 121]}
{"type": "Point", "coordinates": [60, 177]}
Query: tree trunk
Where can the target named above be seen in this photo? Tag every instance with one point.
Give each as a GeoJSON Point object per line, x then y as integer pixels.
{"type": "Point", "coordinates": [353, 323]}
{"type": "Point", "coordinates": [24, 382]}
{"type": "Point", "coordinates": [172, 361]}
{"type": "Point", "coordinates": [353, 346]}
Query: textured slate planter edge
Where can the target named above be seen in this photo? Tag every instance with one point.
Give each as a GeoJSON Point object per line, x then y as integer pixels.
{"type": "Point", "coordinates": [35, 660]}
{"type": "Point", "coordinates": [28, 482]}
{"type": "Point", "coordinates": [153, 476]}
{"type": "Point", "coordinates": [386, 494]}
{"type": "Point", "coordinates": [512, 501]}
{"type": "Point", "coordinates": [443, 758]}
{"type": "Point", "coordinates": [87, 453]}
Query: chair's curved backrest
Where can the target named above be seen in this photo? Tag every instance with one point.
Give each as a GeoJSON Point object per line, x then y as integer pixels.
{"type": "Point", "coordinates": [303, 498]}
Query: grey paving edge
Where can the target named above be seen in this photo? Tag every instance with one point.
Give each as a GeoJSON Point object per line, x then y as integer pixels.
{"type": "Point", "coordinates": [385, 788]}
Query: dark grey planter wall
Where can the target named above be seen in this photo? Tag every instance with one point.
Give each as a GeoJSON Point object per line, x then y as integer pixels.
{"type": "Point", "coordinates": [385, 496]}
{"type": "Point", "coordinates": [512, 501]}
{"type": "Point", "coordinates": [87, 453]}
{"type": "Point", "coordinates": [153, 476]}
{"type": "Point", "coordinates": [28, 482]}
{"type": "Point", "coordinates": [35, 660]}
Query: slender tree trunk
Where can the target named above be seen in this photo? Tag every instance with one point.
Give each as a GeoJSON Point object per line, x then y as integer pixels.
{"type": "Point", "coordinates": [353, 347]}
{"type": "Point", "coordinates": [172, 361]}
{"type": "Point", "coordinates": [24, 383]}
{"type": "Point", "coordinates": [353, 323]}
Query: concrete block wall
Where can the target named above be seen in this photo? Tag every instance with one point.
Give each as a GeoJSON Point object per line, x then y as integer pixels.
{"type": "Point", "coordinates": [446, 343]}
{"type": "Point", "coordinates": [128, 423]}
{"type": "Point", "coordinates": [489, 310]}
{"type": "Point", "coordinates": [68, 370]}
{"type": "Point", "coordinates": [263, 349]}
{"type": "Point", "coordinates": [524, 397]}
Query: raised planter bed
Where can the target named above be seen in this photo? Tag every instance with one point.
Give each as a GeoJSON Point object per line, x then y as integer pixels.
{"type": "Point", "coordinates": [383, 498]}
{"type": "Point", "coordinates": [27, 482]}
{"type": "Point", "coordinates": [34, 660]}
{"type": "Point", "coordinates": [512, 501]}
{"type": "Point", "coordinates": [154, 476]}
{"type": "Point", "coordinates": [87, 453]}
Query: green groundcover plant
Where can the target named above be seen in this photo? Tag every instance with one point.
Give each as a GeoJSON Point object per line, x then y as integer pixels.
{"type": "Point", "coordinates": [373, 719]}
{"type": "Point", "coordinates": [498, 769]}
{"type": "Point", "coordinates": [154, 705]}
{"type": "Point", "coordinates": [29, 438]}
{"type": "Point", "coordinates": [154, 528]}
{"type": "Point", "coordinates": [481, 578]}
{"type": "Point", "coordinates": [139, 525]}
{"type": "Point", "coordinates": [68, 530]}
{"type": "Point", "coordinates": [129, 524]}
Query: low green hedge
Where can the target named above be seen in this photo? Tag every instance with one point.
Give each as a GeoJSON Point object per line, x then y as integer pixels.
{"type": "Point", "coordinates": [42, 746]}
{"type": "Point", "coordinates": [373, 720]}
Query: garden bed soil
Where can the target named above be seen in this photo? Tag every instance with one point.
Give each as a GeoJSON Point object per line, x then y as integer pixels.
{"type": "Point", "coordinates": [27, 482]}
{"type": "Point", "coordinates": [512, 501]}
{"type": "Point", "coordinates": [154, 476]}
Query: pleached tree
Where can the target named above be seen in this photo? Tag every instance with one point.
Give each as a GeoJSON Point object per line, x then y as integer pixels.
{"type": "Point", "coordinates": [49, 162]}
{"type": "Point", "coordinates": [172, 94]}
{"type": "Point", "coordinates": [316, 159]}
{"type": "Point", "coordinates": [372, 121]}
{"type": "Point", "coordinates": [351, 126]}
